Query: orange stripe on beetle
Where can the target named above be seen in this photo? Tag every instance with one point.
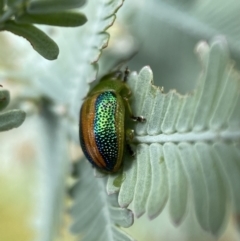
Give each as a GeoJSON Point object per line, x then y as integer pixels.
{"type": "Point", "coordinates": [87, 133]}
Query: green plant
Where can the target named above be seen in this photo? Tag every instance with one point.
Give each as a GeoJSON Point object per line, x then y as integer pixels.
{"type": "Point", "coordinates": [188, 152]}
{"type": "Point", "coordinates": [18, 17]}
{"type": "Point", "coordinates": [11, 118]}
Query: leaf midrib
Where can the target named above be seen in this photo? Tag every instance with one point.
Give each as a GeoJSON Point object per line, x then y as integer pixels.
{"type": "Point", "coordinates": [205, 136]}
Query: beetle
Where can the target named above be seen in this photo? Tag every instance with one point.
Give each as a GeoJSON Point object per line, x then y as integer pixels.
{"type": "Point", "coordinates": [102, 133]}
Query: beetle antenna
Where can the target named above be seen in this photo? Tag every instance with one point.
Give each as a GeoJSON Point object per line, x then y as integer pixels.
{"type": "Point", "coordinates": [126, 74]}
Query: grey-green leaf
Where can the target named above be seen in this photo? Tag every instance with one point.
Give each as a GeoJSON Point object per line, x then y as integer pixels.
{"type": "Point", "coordinates": [180, 152]}
{"type": "Point", "coordinates": [11, 119]}
{"type": "Point", "coordinates": [4, 98]}
{"type": "Point", "coordinates": [230, 163]}
{"type": "Point", "coordinates": [96, 215]}
{"type": "Point", "coordinates": [178, 185]}
{"type": "Point", "coordinates": [194, 172]}
{"type": "Point", "coordinates": [143, 181]}
{"type": "Point", "coordinates": [43, 44]}
{"type": "Point", "coordinates": [216, 186]}
{"type": "Point", "coordinates": [62, 19]}
{"type": "Point", "coordinates": [159, 192]}
{"type": "Point", "coordinates": [47, 6]}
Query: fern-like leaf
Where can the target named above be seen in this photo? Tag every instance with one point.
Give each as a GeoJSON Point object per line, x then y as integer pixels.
{"type": "Point", "coordinates": [96, 215]}
{"type": "Point", "coordinates": [188, 144]}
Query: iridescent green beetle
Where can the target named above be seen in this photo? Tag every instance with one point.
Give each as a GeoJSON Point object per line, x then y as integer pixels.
{"type": "Point", "coordinates": [102, 122]}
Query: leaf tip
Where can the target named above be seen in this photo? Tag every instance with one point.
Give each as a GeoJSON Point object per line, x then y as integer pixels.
{"type": "Point", "coordinates": [201, 48]}
{"type": "Point", "coordinates": [21, 117]}
{"type": "Point", "coordinates": [220, 41]}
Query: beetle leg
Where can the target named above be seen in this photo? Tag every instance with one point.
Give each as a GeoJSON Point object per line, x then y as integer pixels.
{"type": "Point", "coordinates": [129, 138]}
{"type": "Point", "coordinates": [130, 150]}
{"type": "Point", "coordinates": [126, 74]}
{"type": "Point", "coordinates": [138, 118]}
{"type": "Point", "coordinates": [134, 118]}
